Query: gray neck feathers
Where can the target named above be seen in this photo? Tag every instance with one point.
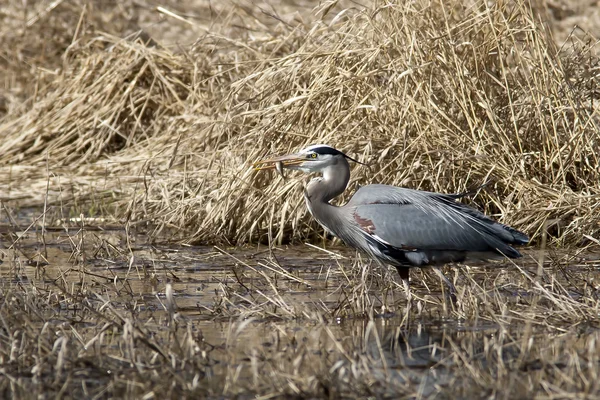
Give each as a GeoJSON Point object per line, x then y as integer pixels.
{"type": "Point", "coordinates": [321, 190]}
{"type": "Point", "coordinates": [333, 183]}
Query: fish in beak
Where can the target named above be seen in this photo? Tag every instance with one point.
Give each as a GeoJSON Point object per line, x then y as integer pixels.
{"type": "Point", "coordinates": [279, 163]}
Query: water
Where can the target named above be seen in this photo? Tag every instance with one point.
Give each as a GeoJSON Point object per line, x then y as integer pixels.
{"type": "Point", "coordinates": [304, 314]}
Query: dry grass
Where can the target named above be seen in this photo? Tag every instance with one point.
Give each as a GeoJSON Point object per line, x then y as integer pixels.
{"type": "Point", "coordinates": [96, 121]}
{"type": "Point", "coordinates": [110, 316]}
{"type": "Point", "coordinates": [438, 96]}
{"type": "Point", "coordinates": [37, 35]}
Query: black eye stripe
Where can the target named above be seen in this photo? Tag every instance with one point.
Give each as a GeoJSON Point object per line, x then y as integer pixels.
{"type": "Point", "coordinates": [326, 150]}
{"type": "Point", "coordinates": [323, 150]}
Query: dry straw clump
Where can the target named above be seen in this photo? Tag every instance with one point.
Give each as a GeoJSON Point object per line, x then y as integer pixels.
{"type": "Point", "coordinates": [35, 35]}
{"type": "Point", "coordinates": [434, 95]}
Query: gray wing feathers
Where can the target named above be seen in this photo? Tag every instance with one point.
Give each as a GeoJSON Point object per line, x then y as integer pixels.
{"type": "Point", "coordinates": [373, 194]}
{"type": "Point", "coordinates": [417, 220]}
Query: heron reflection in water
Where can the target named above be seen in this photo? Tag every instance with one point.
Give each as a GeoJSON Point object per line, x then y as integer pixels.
{"type": "Point", "coordinates": [398, 226]}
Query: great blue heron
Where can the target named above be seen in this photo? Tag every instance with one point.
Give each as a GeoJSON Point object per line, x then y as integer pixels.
{"type": "Point", "coordinates": [402, 227]}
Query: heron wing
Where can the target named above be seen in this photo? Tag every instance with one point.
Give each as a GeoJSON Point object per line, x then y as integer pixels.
{"type": "Point", "coordinates": [387, 194]}
{"type": "Point", "coordinates": [416, 220]}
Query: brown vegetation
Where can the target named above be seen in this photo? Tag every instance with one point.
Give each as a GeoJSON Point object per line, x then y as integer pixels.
{"type": "Point", "coordinates": [434, 96]}
{"type": "Point", "coordinates": [111, 316]}
{"type": "Point", "coordinates": [99, 120]}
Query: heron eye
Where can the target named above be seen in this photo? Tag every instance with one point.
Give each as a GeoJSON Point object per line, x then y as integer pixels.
{"type": "Point", "coordinates": [313, 155]}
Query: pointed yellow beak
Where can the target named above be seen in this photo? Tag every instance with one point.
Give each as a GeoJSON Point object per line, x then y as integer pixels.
{"type": "Point", "coordinates": [283, 161]}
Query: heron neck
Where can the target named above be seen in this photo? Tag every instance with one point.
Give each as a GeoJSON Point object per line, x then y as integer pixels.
{"type": "Point", "coordinates": [333, 183]}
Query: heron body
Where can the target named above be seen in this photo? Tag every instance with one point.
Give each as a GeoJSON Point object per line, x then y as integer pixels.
{"type": "Point", "coordinates": [398, 226]}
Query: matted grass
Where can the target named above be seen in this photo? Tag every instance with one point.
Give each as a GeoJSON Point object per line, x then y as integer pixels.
{"type": "Point", "coordinates": [107, 128]}
{"type": "Point", "coordinates": [433, 95]}
{"type": "Point", "coordinates": [102, 314]}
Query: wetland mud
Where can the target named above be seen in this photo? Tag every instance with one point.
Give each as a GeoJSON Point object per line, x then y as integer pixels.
{"type": "Point", "coordinates": [100, 312]}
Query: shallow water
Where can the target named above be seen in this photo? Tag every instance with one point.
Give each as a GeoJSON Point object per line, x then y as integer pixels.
{"type": "Point", "coordinates": [247, 309]}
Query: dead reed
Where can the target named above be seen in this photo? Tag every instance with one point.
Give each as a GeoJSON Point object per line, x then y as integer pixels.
{"type": "Point", "coordinates": [103, 314]}
{"type": "Point", "coordinates": [434, 95]}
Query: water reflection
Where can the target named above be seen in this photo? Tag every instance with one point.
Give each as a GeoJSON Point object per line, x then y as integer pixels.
{"type": "Point", "coordinates": [301, 319]}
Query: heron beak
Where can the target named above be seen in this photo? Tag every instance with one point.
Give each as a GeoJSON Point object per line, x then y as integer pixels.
{"type": "Point", "coordinates": [279, 163]}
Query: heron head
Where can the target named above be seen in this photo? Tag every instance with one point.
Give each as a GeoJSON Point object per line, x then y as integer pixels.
{"type": "Point", "coordinates": [314, 158]}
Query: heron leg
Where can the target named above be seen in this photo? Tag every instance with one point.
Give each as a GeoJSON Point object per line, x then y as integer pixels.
{"type": "Point", "coordinates": [404, 275]}
{"type": "Point", "coordinates": [404, 272]}
{"type": "Point", "coordinates": [449, 284]}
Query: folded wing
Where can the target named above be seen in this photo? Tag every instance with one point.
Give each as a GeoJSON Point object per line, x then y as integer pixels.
{"type": "Point", "coordinates": [416, 221]}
